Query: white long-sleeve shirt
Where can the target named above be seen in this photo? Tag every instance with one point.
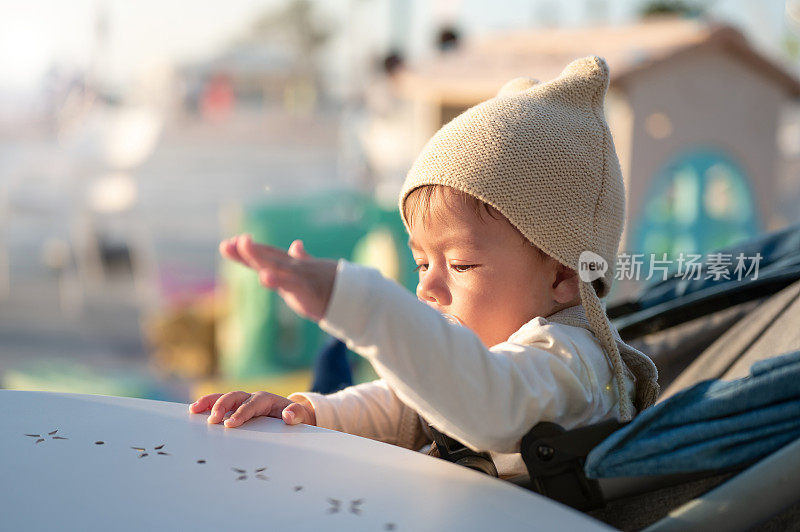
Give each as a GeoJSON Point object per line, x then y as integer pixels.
{"type": "Point", "coordinates": [432, 371]}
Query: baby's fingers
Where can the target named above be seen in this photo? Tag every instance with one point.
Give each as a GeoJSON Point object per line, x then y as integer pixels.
{"type": "Point", "coordinates": [262, 256]}
{"type": "Point", "coordinates": [229, 401]}
{"type": "Point", "coordinates": [204, 403]}
{"type": "Point", "coordinates": [252, 407]}
{"type": "Point", "coordinates": [276, 279]}
{"type": "Point", "coordinates": [258, 404]}
{"type": "Point", "coordinates": [295, 413]}
{"type": "Point", "coordinates": [298, 250]}
{"type": "Point", "coordinates": [228, 249]}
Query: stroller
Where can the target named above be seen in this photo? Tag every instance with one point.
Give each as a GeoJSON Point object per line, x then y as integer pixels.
{"type": "Point", "coordinates": [721, 448]}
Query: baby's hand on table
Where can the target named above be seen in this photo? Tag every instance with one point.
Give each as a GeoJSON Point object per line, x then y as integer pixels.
{"type": "Point", "coordinates": [249, 405]}
{"type": "Point", "coordinates": [304, 283]}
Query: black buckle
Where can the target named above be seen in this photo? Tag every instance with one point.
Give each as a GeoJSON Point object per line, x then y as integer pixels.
{"type": "Point", "coordinates": [454, 451]}
{"type": "Point", "coordinates": [555, 459]}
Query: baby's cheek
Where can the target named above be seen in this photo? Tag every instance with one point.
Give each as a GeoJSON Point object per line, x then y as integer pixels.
{"type": "Point", "coordinates": [490, 324]}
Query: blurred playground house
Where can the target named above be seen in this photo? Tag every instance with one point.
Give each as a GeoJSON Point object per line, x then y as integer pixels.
{"type": "Point", "coordinates": [694, 108]}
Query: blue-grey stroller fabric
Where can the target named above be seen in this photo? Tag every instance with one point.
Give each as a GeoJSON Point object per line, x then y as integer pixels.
{"type": "Point", "coordinates": [713, 425]}
{"type": "Point", "coordinates": [779, 254]}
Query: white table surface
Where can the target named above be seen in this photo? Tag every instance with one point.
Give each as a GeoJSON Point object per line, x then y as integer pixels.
{"type": "Point", "coordinates": [314, 479]}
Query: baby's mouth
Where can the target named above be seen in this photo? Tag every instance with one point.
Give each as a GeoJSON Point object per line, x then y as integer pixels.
{"type": "Point", "coordinates": [452, 319]}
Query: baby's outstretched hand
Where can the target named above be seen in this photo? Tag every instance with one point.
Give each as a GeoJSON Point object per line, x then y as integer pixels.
{"type": "Point", "coordinates": [249, 405]}
{"type": "Point", "coordinates": [304, 282]}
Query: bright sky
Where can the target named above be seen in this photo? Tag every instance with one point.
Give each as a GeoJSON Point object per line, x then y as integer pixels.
{"type": "Point", "coordinates": [36, 33]}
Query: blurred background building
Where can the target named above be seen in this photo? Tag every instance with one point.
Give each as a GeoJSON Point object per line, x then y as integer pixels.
{"type": "Point", "coordinates": [133, 137]}
{"type": "Point", "coordinates": [696, 113]}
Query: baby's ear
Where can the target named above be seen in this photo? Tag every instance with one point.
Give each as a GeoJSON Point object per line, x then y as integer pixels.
{"type": "Point", "coordinates": [565, 285]}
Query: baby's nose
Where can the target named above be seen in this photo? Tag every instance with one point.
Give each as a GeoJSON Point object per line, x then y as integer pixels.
{"type": "Point", "coordinates": [434, 294]}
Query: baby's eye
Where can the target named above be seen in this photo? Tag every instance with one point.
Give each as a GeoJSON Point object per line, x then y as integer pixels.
{"type": "Point", "coordinates": [421, 267]}
{"type": "Point", "coordinates": [461, 268]}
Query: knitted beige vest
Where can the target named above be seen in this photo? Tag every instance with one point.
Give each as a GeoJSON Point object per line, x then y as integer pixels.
{"type": "Point", "coordinates": [542, 155]}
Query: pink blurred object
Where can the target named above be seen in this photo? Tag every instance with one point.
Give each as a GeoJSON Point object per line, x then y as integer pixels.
{"type": "Point", "coordinates": [178, 287]}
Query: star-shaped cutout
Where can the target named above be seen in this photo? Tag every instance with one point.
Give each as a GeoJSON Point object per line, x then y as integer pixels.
{"type": "Point", "coordinates": [42, 437]}
{"type": "Point", "coordinates": [144, 452]}
{"type": "Point", "coordinates": [336, 505]}
{"type": "Point", "coordinates": [258, 473]}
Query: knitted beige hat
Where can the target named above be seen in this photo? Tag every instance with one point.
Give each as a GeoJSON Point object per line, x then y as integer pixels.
{"type": "Point", "coordinates": [542, 155]}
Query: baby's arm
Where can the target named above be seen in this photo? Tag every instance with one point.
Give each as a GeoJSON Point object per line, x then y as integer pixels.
{"type": "Point", "coordinates": [486, 398]}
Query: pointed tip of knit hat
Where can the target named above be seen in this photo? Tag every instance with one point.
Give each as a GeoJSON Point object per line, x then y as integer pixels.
{"type": "Point", "coordinates": [592, 68]}
{"type": "Point", "coordinates": [585, 76]}
{"type": "Point", "coordinates": [589, 66]}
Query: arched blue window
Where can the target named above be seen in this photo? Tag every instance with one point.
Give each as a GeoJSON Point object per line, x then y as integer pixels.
{"type": "Point", "coordinates": [698, 202]}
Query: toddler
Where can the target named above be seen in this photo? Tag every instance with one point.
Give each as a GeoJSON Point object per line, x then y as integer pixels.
{"type": "Point", "coordinates": [502, 207]}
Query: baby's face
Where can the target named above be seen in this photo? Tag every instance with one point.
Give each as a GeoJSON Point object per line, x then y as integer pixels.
{"type": "Point", "coordinates": [480, 270]}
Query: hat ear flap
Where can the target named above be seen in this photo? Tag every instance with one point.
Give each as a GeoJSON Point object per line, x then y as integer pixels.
{"type": "Point", "coordinates": [583, 81]}
{"type": "Point", "coordinates": [517, 85]}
